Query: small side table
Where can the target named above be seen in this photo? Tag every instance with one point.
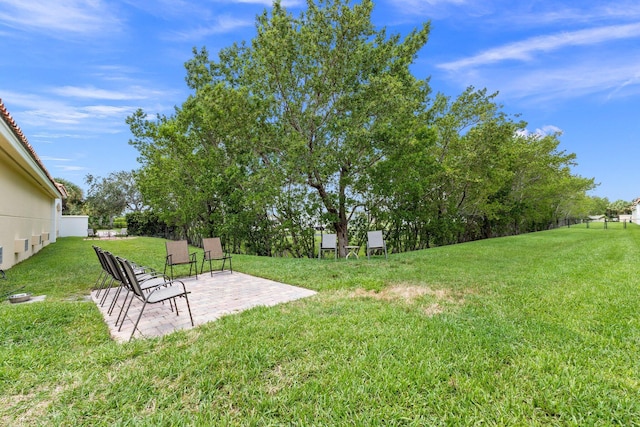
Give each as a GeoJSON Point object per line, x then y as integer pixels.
{"type": "Point", "coordinates": [352, 250]}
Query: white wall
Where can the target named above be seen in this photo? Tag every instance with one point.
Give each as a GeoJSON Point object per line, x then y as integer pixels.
{"type": "Point", "coordinates": [74, 225]}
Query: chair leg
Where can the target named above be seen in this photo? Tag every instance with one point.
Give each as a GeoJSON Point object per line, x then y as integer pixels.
{"type": "Point", "coordinates": [137, 321]}
{"type": "Point", "coordinates": [105, 276]}
{"type": "Point", "coordinates": [125, 313]}
{"type": "Point", "coordinates": [188, 309]}
{"type": "Point", "coordinates": [126, 296]}
{"type": "Point", "coordinates": [99, 287]}
{"type": "Point", "coordinates": [171, 304]}
{"type": "Point", "coordinates": [114, 300]}
{"type": "Point", "coordinates": [106, 293]}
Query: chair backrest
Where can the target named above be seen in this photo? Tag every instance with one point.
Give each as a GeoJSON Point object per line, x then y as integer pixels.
{"type": "Point", "coordinates": [328, 241]}
{"type": "Point", "coordinates": [112, 267]}
{"type": "Point", "coordinates": [130, 277]}
{"type": "Point", "coordinates": [178, 252]}
{"type": "Point", "coordinates": [212, 248]}
{"type": "Point", "coordinates": [100, 255]}
{"type": "Point", "coordinates": [375, 239]}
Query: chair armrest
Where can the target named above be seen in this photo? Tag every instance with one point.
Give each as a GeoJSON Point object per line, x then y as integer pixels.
{"type": "Point", "coordinates": [184, 288]}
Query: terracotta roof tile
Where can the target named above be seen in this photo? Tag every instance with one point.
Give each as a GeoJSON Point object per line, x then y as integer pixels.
{"type": "Point", "coordinates": [4, 113]}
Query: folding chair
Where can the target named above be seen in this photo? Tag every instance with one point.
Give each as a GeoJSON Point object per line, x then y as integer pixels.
{"type": "Point", "coordinates": [168, 291]}
{"type": "Point", "coordinates": [375, 241]}
{"type": "Point", "coordinates": [177, 254]}
{"type": "Point", "coordinates": [328, 243]}
{"type": "Point", "coordinates": [147, 280]}
{"type": "Point", "coordinates": [103, 271]}
{"type": "Point", "coordinates": [213, 251]}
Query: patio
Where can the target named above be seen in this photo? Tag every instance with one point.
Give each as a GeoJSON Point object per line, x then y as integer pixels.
{"type": "Point", "coordinates": [210, 298]}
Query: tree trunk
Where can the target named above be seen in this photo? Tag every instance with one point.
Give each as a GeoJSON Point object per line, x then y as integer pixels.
{"type": "Point", "coordinates": [343, 236]}
{"type": "Point", "coordinates": [341, 224]}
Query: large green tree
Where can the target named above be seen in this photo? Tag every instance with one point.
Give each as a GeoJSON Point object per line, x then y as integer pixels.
{"type": "Point", "coordinates": [598, 205]}
{"type": "Point", "coordinates": [108, 197]}
{"type": "Point", "coordinates": [199, 171]}
{"type": "Point", "coordinates": [619, 207]}
{"type": "Point", "coordinates": [333, 94]}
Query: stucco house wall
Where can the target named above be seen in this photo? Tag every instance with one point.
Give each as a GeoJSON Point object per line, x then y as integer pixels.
{"type": "Point", "coordinates": [635, 213]}
{"type": "Point", "coordinates": [30, 200]}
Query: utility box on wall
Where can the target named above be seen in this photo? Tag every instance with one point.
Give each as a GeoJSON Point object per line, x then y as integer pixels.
{"type": "Point", "coordinates": [22, 245]}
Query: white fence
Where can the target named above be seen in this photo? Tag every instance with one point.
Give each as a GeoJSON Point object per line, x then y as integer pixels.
{"type": "Point", "coordinates": [74, 225]}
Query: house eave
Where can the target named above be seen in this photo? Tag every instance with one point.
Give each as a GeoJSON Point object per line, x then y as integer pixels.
{"type": "Point", "coordinates": [16, 146]}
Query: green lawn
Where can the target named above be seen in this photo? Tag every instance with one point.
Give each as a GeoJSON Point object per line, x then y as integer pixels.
{"type": "Point", "coordinates": [538, 329]}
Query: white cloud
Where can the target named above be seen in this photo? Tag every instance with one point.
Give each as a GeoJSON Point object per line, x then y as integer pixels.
{"type": "Point", "coordinates": [609, 77]}
{"type": "Point", "coordinates": [524, 50]}
{"type": "Point", "coordinates": [91, 92]}
{"type": "Point", "coordinates": [52, 137]}
{"type": "Point", "coordinates": [430, 8]}
{"type": "Point", "coordinates": [172, 10]}
{"type": "Point", "coordinates": [581, 13]}
{"type": "Point", "coordinates": [540, 132]}
{"type": "Point", "coordinates": [58, 115]}
{"type": "Point", "coordinates": [269, 3]}
{"type": "Point", "coordinates": [424, 4]}
{"type": "Point", "coordinates": [222, 25]}
{"type": "Point", "coordinates": [54, 159]}
{"type": "Point", "coordinates": [109, 111]}
{"type": "Point", "coordinates": [511, 14]}
{"type": "Point", "coordinates": [55, 16]}
{"type": "Point", "coordinates": [71, 168]}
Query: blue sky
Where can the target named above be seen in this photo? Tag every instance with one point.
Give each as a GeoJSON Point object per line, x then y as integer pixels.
{"type": "Point", "coordinates": [71, 71]}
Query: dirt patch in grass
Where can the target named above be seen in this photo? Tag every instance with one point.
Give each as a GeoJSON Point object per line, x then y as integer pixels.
{"type": "Point", "coordinates": [433, 309]}
{"type": "Point", "coordinates": [25, 409]}
{"type": "Point", "coordinates": [407, 293]}
{"type": "Point", "coordinates": [411, 294]}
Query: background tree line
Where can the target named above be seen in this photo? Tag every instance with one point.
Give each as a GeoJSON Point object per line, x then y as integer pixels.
{"type": "Point", "coordinates": [319, 122]}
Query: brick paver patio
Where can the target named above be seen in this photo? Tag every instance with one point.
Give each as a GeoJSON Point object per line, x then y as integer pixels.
{"type": "Point", "coordinates": [210, 298]}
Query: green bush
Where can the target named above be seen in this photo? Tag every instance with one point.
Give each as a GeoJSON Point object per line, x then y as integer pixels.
{"type": "Point", "coordinates": [120, 222]}
{"type": "Point", "coordinates": [146, 223]}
